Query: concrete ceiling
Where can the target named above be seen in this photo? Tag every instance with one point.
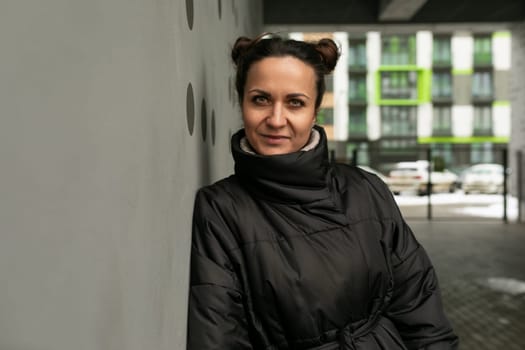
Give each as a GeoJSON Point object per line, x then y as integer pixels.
{"type": "Point", "coordinates": [399, 10]}
{"type": "Point", "coordinates": [348, 12]}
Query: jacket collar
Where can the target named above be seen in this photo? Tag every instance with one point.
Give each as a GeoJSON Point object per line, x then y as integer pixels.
{"type": "Point", "coordinates": [298, 177]}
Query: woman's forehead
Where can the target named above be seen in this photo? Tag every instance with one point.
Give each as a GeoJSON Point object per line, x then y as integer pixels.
{"type": "Point", "coordinates": [285, 70]}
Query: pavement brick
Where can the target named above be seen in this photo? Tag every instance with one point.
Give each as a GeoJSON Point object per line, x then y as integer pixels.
{"type": "Point", "coordinates": [465, 255]}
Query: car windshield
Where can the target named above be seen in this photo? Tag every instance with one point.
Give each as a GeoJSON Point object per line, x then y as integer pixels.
{"type": "Point", "coordinates": [407, 169]}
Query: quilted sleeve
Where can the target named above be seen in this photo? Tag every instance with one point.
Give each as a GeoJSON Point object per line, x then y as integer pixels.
{"type": "Point", "coordinates": [416, 307]}
{"type": "Point", "coordinates": [216, 314]}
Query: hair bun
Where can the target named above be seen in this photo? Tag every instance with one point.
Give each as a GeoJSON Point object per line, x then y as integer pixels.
{"type": "Point", "coordinates": [242, 44]}
{"type": "Point", "coordinates": [329, 52]}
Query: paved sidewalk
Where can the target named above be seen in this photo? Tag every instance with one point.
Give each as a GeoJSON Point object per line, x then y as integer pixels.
{"type": "Point", "coordinates": [481, 269]}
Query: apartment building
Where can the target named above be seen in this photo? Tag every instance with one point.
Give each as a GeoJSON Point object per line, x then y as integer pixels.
{"type": "Point", "coordinates": [394, 96]}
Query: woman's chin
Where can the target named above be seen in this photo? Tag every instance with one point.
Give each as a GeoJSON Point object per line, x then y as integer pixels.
{"type": "Point", "coordinates": [272, 151]}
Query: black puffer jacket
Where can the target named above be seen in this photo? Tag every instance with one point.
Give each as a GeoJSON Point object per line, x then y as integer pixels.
{"type": "Point", "coordinates": [292, 252]}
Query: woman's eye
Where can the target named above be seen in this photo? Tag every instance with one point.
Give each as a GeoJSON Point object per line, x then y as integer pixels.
{"type": "Point", "coordinates": [296, 103]}
{"type": "Point", "coordinates": [260, 99]}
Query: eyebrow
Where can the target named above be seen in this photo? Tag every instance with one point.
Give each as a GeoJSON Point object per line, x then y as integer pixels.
{"type": "Point", "coordinates": [292, 95]}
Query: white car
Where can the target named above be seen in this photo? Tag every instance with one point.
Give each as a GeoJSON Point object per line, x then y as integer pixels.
{"type": "Point", "coordinates": [483, 178]}
{"type": "Point", "coordinates": [413, 176]}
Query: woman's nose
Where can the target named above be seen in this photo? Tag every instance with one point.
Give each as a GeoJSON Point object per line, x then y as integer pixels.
{"type": "Point", "coordinates": [277, 118]}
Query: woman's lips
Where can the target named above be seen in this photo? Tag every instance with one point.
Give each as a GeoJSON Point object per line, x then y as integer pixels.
{"type": "Point", "coordinates": [275, 139]}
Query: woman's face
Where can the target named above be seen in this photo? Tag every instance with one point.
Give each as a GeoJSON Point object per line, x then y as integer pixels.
{"type": "Point", "coordinates": [278, 106]}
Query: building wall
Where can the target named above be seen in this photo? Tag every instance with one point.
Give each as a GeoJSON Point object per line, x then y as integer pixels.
{"type": "Point", "coordinates": [112, 114]}
{"type": "Point", "coordinates": [469, 129]}
{"type": "Point", "coordinates": [517, 94]}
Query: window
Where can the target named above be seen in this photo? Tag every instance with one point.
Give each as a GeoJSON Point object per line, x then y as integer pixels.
{"type": "Point", "coordinates": [441, 52]}
{"type": "Point", "coordinates": [482, 84]}
{"type": "Point", "coordinates": [325, 116]}
{"type": "Point", "coordinates": [441, 85]}
{"type": "Point", "coordinates": [398, 121]}
{"type": "Point", "coordinates": [357, 54]}
{"type": "Point", "coordinates": [361, 150]}
{"type": "Point", "coordinates": [398, 144]}
{"type": "Point", "coordinates": [357, 88]}
{"type": "Point", "coordinates": [482, 120]}
{"type": "Point", "coordinates": [399, 85]}
{"type": "Point", "coordinates": [443, 152]}
{"type": "Point", "coordinates": [482, 50]}
{"type": "Point", "coordinates": [398, 50]}
{"type": "Point", "coordinates": [357, 121]}
{"type": "Point", "coordinates": [441, 121]}
{"type": "Point", "coordinates": [481, 153]}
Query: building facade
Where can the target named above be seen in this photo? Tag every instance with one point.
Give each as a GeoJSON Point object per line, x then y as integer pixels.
{"type": "Point", "coordinates": [394, 96]}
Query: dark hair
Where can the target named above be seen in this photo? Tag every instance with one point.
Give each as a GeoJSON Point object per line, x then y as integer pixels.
{"type": "Point", "coordinates": [322, 56]}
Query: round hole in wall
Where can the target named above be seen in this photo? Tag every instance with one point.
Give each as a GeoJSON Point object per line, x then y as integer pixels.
{"type": "Point", "coordinates": [189, 13]}
{"type": "Point", "coordinates": [213, 127]}
{"type": "Point", "coordinates": [204, 125]}
{"type": "Point", "coordinates": [220, 8]}
{"type": "Point", "coordinates": [190, 109]}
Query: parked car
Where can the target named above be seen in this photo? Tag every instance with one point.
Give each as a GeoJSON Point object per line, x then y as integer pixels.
{"type": "Point", "coordinates": [413, 176]}
{"type": "Point", "coordinates": [483, 178]}
{"type": "Point", "coordinates": [460, 171]}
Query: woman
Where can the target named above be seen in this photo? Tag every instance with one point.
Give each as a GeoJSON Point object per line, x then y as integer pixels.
{"type": "Point", "coordinates": [292, 252]}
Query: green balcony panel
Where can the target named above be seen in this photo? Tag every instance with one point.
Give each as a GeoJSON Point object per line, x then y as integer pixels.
{"type": "Point", "coordinates": [403, 85]}
{"type": "Point", "coordinates": [463, 140]}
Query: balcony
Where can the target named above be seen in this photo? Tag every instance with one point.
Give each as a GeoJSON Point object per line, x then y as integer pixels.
{"type": "Point", "coordinates": [444, 131]}
{"type": "Point", "coordinates": [483, 131]}
{"type": "Point", "coordinates": [483, 60]}
{"type": "Point", "coordinates": [357, 91]}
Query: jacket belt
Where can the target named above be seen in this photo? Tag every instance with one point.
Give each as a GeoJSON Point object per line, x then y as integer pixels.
{"type": "Point", "coordinates": [345, 336]}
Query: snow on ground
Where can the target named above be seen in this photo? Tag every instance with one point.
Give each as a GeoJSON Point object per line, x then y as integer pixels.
{"type": "Point", "coordinates": [505, 285]}
{"type": "Point", "coordinates": [484, 205]}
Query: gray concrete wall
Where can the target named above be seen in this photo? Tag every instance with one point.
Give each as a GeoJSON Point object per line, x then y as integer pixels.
{"type": "Point", "coordinates": [502, 85]}
{"type": "Point", "coordinates": [99, 168]}
{"type": "Point", "coordinates": [462, 89]}
{"type": "Point", "coordinates": [517, 96]}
